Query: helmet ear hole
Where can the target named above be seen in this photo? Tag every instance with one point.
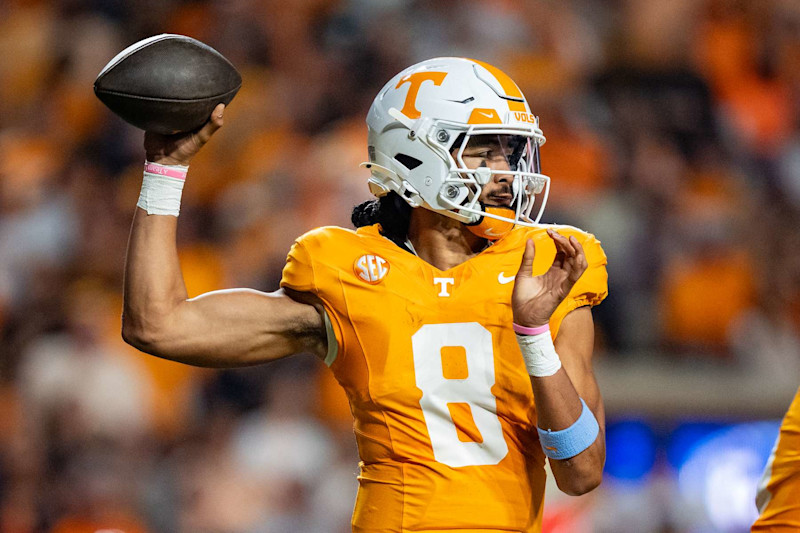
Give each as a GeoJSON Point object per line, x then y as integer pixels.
{"type": "Point", "coordinates": [407, 161]}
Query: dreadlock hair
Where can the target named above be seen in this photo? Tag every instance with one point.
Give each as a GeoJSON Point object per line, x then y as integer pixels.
{"type": "Point", "coordinates": [390, 211]}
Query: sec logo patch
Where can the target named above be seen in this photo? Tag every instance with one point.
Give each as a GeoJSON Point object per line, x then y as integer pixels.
{"type": "Point", "coordinates": [371, 268]}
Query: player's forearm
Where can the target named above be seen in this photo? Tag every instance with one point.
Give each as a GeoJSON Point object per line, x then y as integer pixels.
{"type": "Point", "coordinates": [153, 285]}
{"type": "Point", "coordinates": [584, 472]}
{"type": "Point", "coordinates": [569, 410]}
{"type": "Point", "coordinates": [558, 407]}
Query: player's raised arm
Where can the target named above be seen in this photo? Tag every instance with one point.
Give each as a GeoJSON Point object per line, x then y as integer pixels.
{"type": "Point", "coordinates": [569, 409]}
{"type": "Point", "coordinates": [227, 328]}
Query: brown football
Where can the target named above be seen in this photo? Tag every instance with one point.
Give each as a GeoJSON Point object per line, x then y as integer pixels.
{"type": "Point", "coordinates": [167, 83]}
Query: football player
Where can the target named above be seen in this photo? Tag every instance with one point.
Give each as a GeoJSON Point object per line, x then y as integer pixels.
{"type": "Point", "coordinates": [778, 498]}
{"type": "Point", "coordinates": [458, 325]}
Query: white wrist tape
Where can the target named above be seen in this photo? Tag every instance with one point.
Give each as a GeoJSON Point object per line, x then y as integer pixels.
{"type": "Point", "coordinates": [162, 187]}
{"type": "Point", "coordinates": [539, 354]}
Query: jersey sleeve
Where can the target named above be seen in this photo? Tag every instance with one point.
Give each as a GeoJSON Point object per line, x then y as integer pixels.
{"type": "Point", "coordinates": [303, 274]}
{"type": "Point", "coordinates": [298, 273]}
{"type": "Point", "coordinates": [591, 288]}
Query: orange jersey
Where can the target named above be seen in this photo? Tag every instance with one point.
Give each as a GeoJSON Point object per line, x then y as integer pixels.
{"type": "Point", "coordinates": [778, 497]}
{"type": "Point", "coordinates": [443, 406]}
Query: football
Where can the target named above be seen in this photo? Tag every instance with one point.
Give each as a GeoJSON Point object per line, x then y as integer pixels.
{"type": "Point", "coordinates": [167, 83]}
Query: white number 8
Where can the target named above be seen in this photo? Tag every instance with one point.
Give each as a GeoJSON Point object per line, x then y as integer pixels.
{"type": "Point", "coordinates": [474, 390]}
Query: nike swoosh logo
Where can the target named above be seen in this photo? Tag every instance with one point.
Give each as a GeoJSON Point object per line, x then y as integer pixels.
{"type": "Point", "coordinates": [485, 114]}
{"type": "Point", "coordinates": [503, 279]}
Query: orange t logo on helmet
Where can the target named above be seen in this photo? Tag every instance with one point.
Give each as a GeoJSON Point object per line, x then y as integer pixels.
{"type": "Point", "coordinates": [415, 81]}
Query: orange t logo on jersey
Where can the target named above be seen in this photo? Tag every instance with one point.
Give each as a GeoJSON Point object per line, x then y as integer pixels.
{"type": "Point", "coordinates": [415, 80]}
{"type": "Point", "coordinates": [371, 268]}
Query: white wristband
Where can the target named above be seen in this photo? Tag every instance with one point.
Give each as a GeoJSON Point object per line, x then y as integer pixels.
{"type": "Point", "coordinates": [539, 354]}
{"type": "Point", "coordinates": [162, 187]}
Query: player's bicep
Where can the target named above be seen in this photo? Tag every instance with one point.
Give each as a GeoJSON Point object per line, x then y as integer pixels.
{"type": "Point", "coordinates": [240, 327]}
{"type": "Point", "coordinates": [575, 346]}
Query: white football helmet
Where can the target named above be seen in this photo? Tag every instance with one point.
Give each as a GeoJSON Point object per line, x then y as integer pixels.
{"type": "Point", "coordinates": [424, 117]}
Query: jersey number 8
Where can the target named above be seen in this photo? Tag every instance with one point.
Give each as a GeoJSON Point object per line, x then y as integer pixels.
{"type": "Point", "coordinates": [475, 390]}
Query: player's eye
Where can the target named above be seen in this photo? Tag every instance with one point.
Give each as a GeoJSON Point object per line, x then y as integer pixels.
{"type": "Point", "coordinates": [484, 153]}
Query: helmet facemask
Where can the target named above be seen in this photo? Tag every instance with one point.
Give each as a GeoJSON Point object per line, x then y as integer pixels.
{"type": "Point", "coordinates": [483, 155]}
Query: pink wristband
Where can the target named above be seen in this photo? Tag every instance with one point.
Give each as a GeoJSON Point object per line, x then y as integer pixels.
{"type": "Point", "coordinates": [523, 330]}
{"type": "Point", "coordinates": [172, 171]}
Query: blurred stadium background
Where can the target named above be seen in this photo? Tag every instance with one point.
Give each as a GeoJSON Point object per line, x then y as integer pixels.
{"type": "Point", "coordinates": [673, 135]}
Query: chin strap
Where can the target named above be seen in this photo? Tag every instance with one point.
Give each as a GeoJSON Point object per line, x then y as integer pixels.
{"type": "Point", "coordinates": [492, 228]}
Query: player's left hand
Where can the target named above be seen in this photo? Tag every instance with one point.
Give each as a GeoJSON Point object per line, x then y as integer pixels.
{"type": "Point", "coordinates": [536, 297]}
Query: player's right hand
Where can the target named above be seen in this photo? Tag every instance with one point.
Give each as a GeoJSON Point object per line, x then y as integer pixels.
{"type": "Point", "coordinates": [179, 149]}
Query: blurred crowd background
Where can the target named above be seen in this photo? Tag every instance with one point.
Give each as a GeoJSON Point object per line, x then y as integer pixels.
{"type": "Point", "coordinates": [673, 134]}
